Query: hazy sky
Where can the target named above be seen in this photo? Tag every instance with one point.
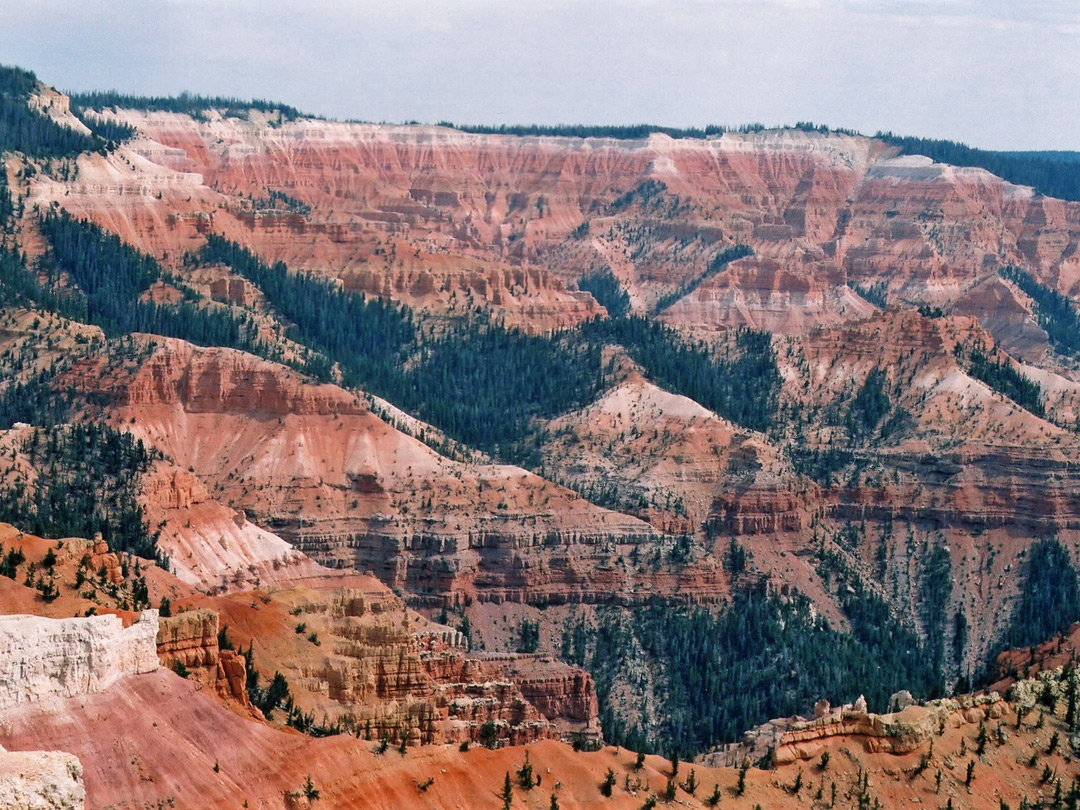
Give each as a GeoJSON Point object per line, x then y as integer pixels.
{"type": "Point", "coordinates": [997, 73]}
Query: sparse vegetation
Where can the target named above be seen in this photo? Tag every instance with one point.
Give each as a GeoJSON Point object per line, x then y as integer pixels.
{"type": "Point", "coordinates": [608, 783]}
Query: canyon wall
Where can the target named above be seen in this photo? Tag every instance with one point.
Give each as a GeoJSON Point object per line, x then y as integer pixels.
{"type": "Point", "coordinates": [444, 220]}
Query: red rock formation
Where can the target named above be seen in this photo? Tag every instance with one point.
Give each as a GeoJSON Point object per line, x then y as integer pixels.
{"type": "Point", "coordinates": [442, 220]}
{"type": "Point", "coordinates": [172, 744]}
{"type": "Point", "coordinates": [188, 642]}
{"type": "Point", "coordinates": [357, 656]}
{"type": "Point", "coordinates": [795, 739]}
{"type": "Point", "coordinates": [316, 466]}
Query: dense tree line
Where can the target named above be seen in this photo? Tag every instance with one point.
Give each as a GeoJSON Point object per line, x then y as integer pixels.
{"type": "Point", "coordinates": [20, 287]}
{"type": "Point", "coordinates": [34, 401]}
{"type": "Point", "coordinates": [608, 292]}
{"type": "Point", "coordinates": [1054, 312]}
{"type": "Point", "coordinates": [87, 482]}
{"type": "Point", "coordinates": [279, 199]}
{"type": "Point", "coordinates": [870, 405]}
{"type": "Point", "coordinates": [1049, 596]}
{"type": "Point", "coordinates": [1047, 154]}
{"type": "Point", "coordinates": [1003, 378]}
{"type": "Point", "coordinates": [876, 294]}
{"type": "Point", "coordinates": [616, 131]}
{"type": "Point", "coordinates": [627, 131]}
{"type": "Point", "coordinates": [743, 386]}
{"type": "Point", "coordinates": [762, 657]}
{"type": "Point", "coordinates": [935, 590]}
{"type": "Point", "coordinates": [185, 103]}
{"type": "Point", "coordinates": [480, 382]}
{"type": "Point", "coordinates": [370, 338]}
{"type": "Point", "coordinates": [7, 205]}
{"type": "Point", "coordinates": [630, 131]}
{"type": "Point", "coordinates": [112, 132]}
{"type": "Point", "coordinates": [892, 645]}
{"type": "Point", "coordinates": [111, 277]}
{"type": "Point", "coordinates": [484, 384]}
{"type": "Point", "coordinates": [1050, 174]}
{"type": "Point", "coordinates": [718, 263]}
{"type": "Point", "coordinates": [26, 130]}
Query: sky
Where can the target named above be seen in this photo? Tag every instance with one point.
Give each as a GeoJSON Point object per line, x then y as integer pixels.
{"type": "Point", "coordinates": [998, 74]}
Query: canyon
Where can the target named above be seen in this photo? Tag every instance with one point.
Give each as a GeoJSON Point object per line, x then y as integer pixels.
{"type": "Point", "coordinates": [180, 746]}
{"type": "Point", "coordinates": [338, 573]}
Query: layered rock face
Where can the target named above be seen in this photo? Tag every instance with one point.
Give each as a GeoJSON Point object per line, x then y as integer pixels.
{"type": "Point", "coordinates": [562, 693]}
{"type": "Point", "coordinates": [357, 656]}
{"type": "Point", "coordinates": [189, 642]}
{"type": "Point", "coordinates": [313, 464]}
{"type": "Point", "coordinates": [677, 464]}
{"type": "Point", "coordinates": [40, 780]}
{"type": "Point", "coordinates": [444, 220]}
{"type": "Point", "coordinates": [447, 222]}
{"type": "Point", "coordinates": [41, 659]}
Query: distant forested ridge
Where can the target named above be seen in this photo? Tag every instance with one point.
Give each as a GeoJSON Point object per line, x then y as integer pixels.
{"type": "Point", "coordinates": [185, 103]}
{"type": "Point", "coordinates": [1047, 154]}
{"type": "Point", "coordinates": [616, 131]}
{"type": "Point", "coordinates": [23, 129]}
{"type": "Point", "coordinates": [629, 132]}
{"type": "Point", "coordinates": [1055, 174]}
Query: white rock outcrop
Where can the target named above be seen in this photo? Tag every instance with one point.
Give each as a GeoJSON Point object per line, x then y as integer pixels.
{"type": "Point", "coordinates": [41, 780]}
{"type": "Point", "coordinates": [57, 658]}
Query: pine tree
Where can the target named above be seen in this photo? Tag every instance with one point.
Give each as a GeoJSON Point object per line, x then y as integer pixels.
{"type": "Point", "coordinates": [525, 774]}
{"type": "Point", "coordinates": [507, 792]}
{"type": "Point", "coordinates": [608, 783]}
{"type": "Point", "coordinates": [713, 798]}
{"type": "Point", "coordinates": [690, 785]}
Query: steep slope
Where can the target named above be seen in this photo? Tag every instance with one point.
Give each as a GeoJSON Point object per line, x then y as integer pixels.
{"type": "Point", "coordinates": [668, 458]}
{"type": "Point", "coordinates": [444, 220]}
{"type": "Point", "coordinates": [156, 739]}
{"type": "Point", "coordinates": [316, 466]}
